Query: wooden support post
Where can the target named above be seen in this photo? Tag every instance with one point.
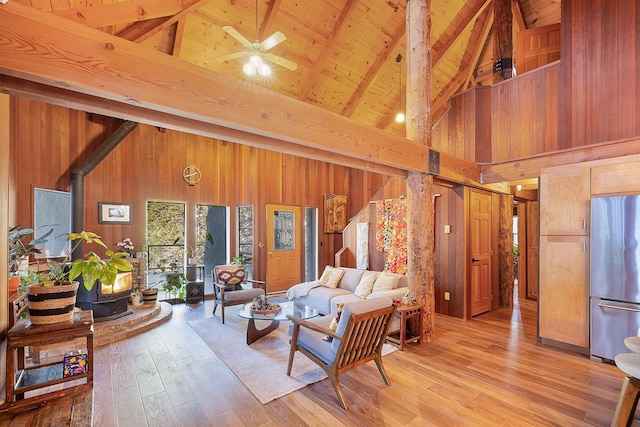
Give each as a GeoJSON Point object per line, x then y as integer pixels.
{"type": "Point", "coordinates": [503, 40]}
{"type": "Point", "coordinates": [505, 247]}
{"type": "Point", "coordinates": [420, 235]}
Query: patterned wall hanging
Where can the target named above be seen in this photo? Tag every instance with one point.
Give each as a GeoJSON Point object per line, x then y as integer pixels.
{"type": "Point", "coordinates": [391, 233]}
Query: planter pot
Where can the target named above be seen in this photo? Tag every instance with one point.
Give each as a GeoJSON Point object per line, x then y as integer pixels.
{"type": "Point", "coordinates": [149, 295]}
{"type": "Point", "coordinates": [14, 284]}
{"type": "Point", "coordinates": [135, 300]}
{"type": "Point", "coordinates": [51, 304]}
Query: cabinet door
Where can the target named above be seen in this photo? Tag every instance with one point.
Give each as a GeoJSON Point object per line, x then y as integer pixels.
{"type": "Point", "coordinates": [564, 202]}
{"type": "Point", "coordinates": [563, 296]}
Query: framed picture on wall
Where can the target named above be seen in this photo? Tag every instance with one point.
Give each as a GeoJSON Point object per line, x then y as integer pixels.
{"type": "Point", "coordinates": [114, 213]}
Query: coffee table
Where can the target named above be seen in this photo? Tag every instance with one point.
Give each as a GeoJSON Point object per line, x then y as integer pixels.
{"type": "Point", "coordinates": [287, 308]}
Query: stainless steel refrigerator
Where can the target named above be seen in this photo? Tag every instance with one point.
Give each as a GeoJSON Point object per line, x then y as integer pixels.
{"type": "Point", "coordinates": [615, 280]}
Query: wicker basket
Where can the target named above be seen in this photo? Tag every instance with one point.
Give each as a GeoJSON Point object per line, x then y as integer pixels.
{"type": "Point", "coordinates": [51, 304]}
{"type": "Point", "coordinates": [149, 296]}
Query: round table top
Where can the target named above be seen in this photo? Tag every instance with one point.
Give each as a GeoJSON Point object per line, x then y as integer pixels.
{"type": "Point", "coordinates": [288, 307]}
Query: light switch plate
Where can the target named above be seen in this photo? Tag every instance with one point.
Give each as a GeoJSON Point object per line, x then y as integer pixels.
{"type": "Point", "coordinates": [447, 229]}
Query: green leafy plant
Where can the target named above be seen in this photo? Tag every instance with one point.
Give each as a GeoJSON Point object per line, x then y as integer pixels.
{"type": "Point", "coordinates": [174, 281]}
{"type": "Point", "coordinates": [240, 259]}
{"type": "Point", "coordinates": [91, 267]}
{"type": "Point", "coordinates": [18, 249]}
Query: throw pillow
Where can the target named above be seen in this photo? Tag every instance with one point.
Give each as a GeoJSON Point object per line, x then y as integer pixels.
{"type": "Point", "coordinates": [384, 282]}
{"type": "Point", "coordinates": [333, 326]}
{"type": "Point", "coordinates": [366, 284]}
{"type": "Point", "coordinates": [331, 276]}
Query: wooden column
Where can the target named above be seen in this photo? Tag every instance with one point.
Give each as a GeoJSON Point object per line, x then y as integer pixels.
{"type": "Point", "coordinates": [503, 39]}
{"type": "Point", "coordinates": [420, 235]}
{"type": "Point", "coordinates": [4, 237]}
{"type": "Point", "coordinates": [505, 247]}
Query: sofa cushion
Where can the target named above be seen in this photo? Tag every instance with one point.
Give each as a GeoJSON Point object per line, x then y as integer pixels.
{"type": "Point", "coordinates": [384, 282]}
{"type": "Point", "coordinates": [366, 284]}
{"type": "Point", "coordinates": [341, 299]}
{"type": "Point", "coordinates": [331, 276]}
{"type": "Point", "coordinates": [351, 278]}
{"type": "Point", "coordinates": [320, 298]}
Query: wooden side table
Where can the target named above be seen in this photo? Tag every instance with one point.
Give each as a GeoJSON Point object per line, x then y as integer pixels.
{"type": "Point", "coordinates": [411, 314]}
{"type": "Point", "coordinates": [22, 378]}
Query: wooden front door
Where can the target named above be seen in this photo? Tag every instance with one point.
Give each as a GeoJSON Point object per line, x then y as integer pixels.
{"type": "Point", "coordinates": [480, 244]}
{"type": "Point", "coordinates": [284, 249]}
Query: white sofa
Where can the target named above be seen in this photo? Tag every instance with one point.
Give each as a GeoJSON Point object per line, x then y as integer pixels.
{"type": "Point", "coordinates": [325, 298]}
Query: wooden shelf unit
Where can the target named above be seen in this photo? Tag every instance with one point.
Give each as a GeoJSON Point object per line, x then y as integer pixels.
{"type": "Point", "coordinates": [22, 378]}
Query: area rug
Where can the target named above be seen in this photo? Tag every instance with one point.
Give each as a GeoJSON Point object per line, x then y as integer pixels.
{"type": "Point", "coordinates": [266, 358]}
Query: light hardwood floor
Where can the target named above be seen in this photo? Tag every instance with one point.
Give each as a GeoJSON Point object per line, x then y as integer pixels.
{"type": "Point", "coordinates": [484, 372]}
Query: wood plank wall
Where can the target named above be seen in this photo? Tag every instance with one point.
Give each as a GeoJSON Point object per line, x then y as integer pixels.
{"type": "Point", "coordinates": [465, 131]}
{"type": "Point", "coordinates": [49, 141]}
{"type": "Point", "coordinates": [599, 89]}
{"type": "Point", "coordinates": [590, 96]}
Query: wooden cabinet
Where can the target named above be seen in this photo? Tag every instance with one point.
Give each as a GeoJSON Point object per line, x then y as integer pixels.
{"type": "Point", "coordinates": [564, 202]}
{"type": "Point", "coordinates": [564, 289]}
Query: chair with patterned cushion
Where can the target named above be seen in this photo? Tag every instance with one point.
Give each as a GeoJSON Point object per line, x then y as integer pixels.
{"type": "Point", "coordinates": [228, 289]}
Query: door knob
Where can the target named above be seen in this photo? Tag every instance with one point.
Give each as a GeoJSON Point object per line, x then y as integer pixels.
{"type": "Point", "coordinates": [474, 260]}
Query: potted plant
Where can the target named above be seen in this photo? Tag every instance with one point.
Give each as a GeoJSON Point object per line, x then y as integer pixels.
{"type": "Point", "coordinates": [174, 281]}
{"type": "Point", "coordinates": [135, 297]}
{"type": "Point", "coordinates": [193, 254]}
{"type": "Point", "coordinates": [19, 252]}
{"type": "Point", "coordinates": [53, 300]}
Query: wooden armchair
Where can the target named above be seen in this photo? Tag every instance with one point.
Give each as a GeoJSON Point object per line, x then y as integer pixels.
{"type": "Point", "coordinates": [228, 290]}
{"type": "Point", "coordinates": [358, 339]}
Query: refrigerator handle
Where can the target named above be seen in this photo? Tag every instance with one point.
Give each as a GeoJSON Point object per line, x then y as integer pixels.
{"type": "Point", "coordinates": [618, 307]}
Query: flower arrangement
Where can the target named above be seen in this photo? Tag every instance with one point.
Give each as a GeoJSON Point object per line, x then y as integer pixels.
{"type": "Point", "coordinates": [127, 245]}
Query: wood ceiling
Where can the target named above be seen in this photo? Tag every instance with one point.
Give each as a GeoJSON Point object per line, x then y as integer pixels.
{"type": "Point", "coordinates": [345, 49]}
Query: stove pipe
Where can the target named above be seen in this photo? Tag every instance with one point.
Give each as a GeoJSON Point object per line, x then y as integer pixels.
{"type": "Point", "coordinates": [78, 174]}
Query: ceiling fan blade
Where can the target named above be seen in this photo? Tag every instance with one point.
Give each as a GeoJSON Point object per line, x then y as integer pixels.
{"type": "Point", "coordinates": [273, 40]}
{"type": "Point", "coordinates": [232, 56]}
{"type": "Point", "coordinates": [290, 65]}
{"type": "Point", "coordinates": [236, 35]}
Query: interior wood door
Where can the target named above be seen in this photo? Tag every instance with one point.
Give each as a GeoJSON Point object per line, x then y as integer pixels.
{"type": "Point", "coordinates": [536, 47]}
{"type": "Point", "coordinates": [533, 237]}
{"type": "Point", "coordinates": [284, 249]}
{"type": "Point", "coordinates": [480, 244]}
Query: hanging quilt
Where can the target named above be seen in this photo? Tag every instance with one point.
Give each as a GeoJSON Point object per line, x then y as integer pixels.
{"type": "Point", "coordinates": [391, 233]}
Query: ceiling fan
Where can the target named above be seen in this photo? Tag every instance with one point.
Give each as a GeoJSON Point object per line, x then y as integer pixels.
{"type": "Point", "coordinates": [257, 52]}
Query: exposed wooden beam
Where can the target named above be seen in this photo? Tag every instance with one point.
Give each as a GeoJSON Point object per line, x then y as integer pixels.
{"type": "Point", "coordinates": [151, 30]}
{"type": "Point", "coordinates": [269, 19]}
{"type": "Point", "coordinates": [382, 57]}
{"type": "Point", "coordinates": [318, 64]}
{"type": "Point", "coordinates": [106, 107]}
{"type": "Point", "coordinates": [518, 16]}
{"type": "Point", "coordinates": [456, 28]}
{"type": "Point", "coordinates": [480, 43]}
{"type": "Point", "coordinates": [39, 47]}
{"type": "Point", "coordinates": [106, 14]}
{"type": "Point", "coordinates": [530, 167]}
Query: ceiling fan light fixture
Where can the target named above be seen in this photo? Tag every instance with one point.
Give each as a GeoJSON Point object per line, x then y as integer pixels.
{"type": "Point", "coordinates": [249, 69]}
{"type": "Point", "coordinates": [256, 61]}
{"type": "Point", "coordinates": [264, 70]}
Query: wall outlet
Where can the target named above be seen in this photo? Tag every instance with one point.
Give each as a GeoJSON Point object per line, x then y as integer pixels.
{"type": "Point", "coordinates": [447, 229]}
{"type": "Point", "coordinates": [447, 296]}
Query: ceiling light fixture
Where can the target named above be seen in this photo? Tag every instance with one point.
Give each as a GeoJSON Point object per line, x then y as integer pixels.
{"type": "Point", "coordinates": [400, 115]}
{"type": "Point", "coordinates": [256, 63]}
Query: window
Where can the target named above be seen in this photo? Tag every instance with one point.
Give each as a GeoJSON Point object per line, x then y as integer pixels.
{"type": "Point", "coordinates": [166, 235]}
{"type": "Point", "coordinates": [245, 230]}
